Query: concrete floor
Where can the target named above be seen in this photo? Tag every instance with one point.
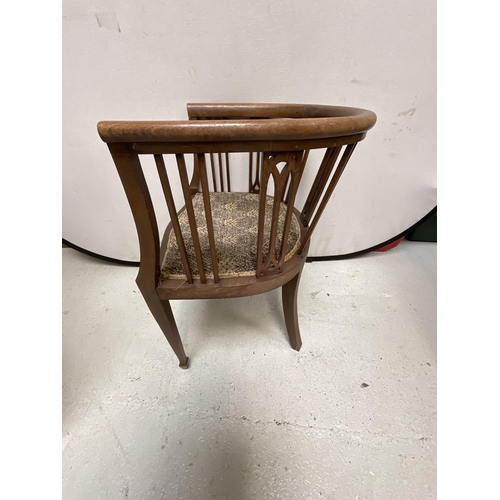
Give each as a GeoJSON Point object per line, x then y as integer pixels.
{"type": "Point", "coordinates": [251, 418]}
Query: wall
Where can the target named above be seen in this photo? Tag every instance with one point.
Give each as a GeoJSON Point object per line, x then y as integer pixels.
{"type": "Point", "coordinates": [147, 59]}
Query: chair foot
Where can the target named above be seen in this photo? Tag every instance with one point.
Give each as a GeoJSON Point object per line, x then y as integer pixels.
{"type": "Point", "coordinates": [184, 366]}
{"type": "Point", "coordinates": [289, 294]}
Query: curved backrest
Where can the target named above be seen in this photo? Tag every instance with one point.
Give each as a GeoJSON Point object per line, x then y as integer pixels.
{"type": "Point", "coordinates": [277, 139]}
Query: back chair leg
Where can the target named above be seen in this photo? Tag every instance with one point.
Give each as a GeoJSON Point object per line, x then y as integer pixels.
{"type": "Point", "coordinates": [162, 312]}
{"type": "Point", "coordinates": [289, 294]}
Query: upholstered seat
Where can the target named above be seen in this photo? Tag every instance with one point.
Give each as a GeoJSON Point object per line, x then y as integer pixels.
{"type": "Point", "coordinates": [235, 225]}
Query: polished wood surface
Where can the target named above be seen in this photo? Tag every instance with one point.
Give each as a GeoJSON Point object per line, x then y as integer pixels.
{"type": "Point", "coordinates": [276, 122]}
{"type": "Point", "coordinates": [277, 139]}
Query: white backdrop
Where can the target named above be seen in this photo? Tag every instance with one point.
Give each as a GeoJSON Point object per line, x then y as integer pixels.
{"type": "Point", "coordinates": [146, 59]}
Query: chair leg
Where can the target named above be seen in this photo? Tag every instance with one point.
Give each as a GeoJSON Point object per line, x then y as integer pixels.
{"type": "Point", "coordinates": [289, 295]}
{"type": "Point", "coordinates": [163, 314]}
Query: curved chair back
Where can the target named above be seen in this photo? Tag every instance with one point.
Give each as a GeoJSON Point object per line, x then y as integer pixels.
{"type": "Point", "coordinates": [277, 139]}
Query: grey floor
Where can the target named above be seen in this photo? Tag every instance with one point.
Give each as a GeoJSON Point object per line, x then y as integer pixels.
{"type": "Point", "coordinates": [352, 416]}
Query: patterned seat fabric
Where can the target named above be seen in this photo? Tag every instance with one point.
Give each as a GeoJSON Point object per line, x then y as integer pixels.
{"type": "Point", "coordinates": [235, 220]}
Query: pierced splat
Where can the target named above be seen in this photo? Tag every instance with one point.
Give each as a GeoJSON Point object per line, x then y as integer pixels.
{"type": "Point", "coordinates": [254, 178]}
{"type": "Point", "coordinates": [271, 248]}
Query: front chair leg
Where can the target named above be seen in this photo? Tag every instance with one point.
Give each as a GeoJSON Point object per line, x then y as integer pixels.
{"type": "Point", "coordinates": [163, 314]}
{"type": "Point", "coordinates": [289, 294]}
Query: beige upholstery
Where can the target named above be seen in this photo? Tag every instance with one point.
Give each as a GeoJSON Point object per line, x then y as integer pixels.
{"type": "Point", "coordinates": [235, 220]}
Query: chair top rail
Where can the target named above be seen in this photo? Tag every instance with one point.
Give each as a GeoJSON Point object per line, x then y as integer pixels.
{"type": "Point", "coordinates": [268, 110]}
{"type": "Point", "coordinates": [283, 122]}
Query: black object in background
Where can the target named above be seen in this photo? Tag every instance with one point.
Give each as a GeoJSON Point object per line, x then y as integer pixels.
{"type": "Point", "coordinates": [425, 231]}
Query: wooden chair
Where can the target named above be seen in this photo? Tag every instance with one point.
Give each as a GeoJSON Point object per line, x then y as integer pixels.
{"type": "Point", "coordinates": [222, 243]}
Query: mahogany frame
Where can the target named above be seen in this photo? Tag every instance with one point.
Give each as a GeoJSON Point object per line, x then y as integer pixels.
{"type": "Point", "coordinates": [271, 134]}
